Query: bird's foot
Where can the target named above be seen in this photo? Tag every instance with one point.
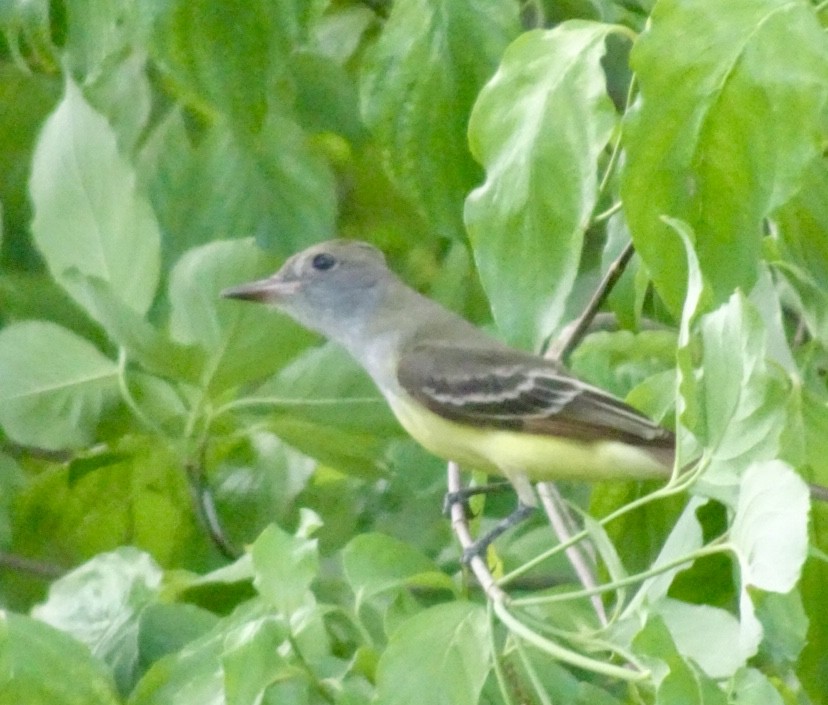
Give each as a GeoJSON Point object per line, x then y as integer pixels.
{"type": "Point", "coordinates": [462, 496]}
{"type": "Point", "coordinates": [479, 547]}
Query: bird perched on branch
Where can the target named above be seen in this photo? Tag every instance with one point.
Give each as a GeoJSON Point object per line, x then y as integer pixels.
{"type": "Point", "coordinates": [463, 394]}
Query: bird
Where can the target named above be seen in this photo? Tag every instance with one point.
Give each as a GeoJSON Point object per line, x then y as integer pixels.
{"type": "Point", "coordinates": [459, 391]}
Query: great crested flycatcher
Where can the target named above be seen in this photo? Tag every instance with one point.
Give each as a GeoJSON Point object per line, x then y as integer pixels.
{"type": "Point", "coordinates": [463, 394]}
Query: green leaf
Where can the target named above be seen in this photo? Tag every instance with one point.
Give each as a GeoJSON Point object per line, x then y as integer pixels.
{"type": "Point", "coordinates": [709, 636]}
{"type": "Point", "coordinates": [785, 625]}
{"type": "Point", "coordinates": [810, 295]}
{"type": "Point", "coordinates": [743, 397]}
{"type": "Point", "coordinates": [704, 141]}
{"type": "Point", "coordinates": [166, 628]}
{"type": "Point", "coordinates": [685, 684]}
{"type": "Point", "coordinates": [273, 185]}
{"type": "Point", "coordinates": [814, 430]}
{"type": "Point", "coordinates": [358, 454]}
{"type": "Point", "coordinates": [441, 656]}
{"type": "Point", "coordinates": [28, 98]}
{"type": "Point", "coordinates": [814, 659]}
{"type": "Point", "coordinates": [256, 483]}
{"type": "Point", "coordinates": [26, 26]}
{"type": "Point", "coordinates": [243, 341]}
{"type": "Point", "coordinates": [685, 538]}
{"type": "Point", "coordinates": [538, 128]}
{"type": "Point", "coordinates": [142, 499]}
{"type": "Point", "coordinates": [656, 396]}
{"type": "Point", "coordinates": [327, 98]}
{"type": "Point", "coordinates": [800, 252]}
{"type": "Point", "coordinates": [195, 674]}
{"type": "Point", "coordinates": [123, 94]}
{"type": "Point", "coordinates": [39, 664]}
{"type": "Point", "coordinates": [677, 680]}
{"type": "Point", "coordinates": [435, 73]}
{"type": "Point", "coordinates": [326, 386]}
{"type": "Point", "coordinates": [324, 404]}
{"type": "Point", "coordinates": [251, 661]}
{"type": "Point", "coordinates": [98, 32]}
{"type": "Point", "coordinates": [37, 296]}
{"type": "Point", "coordinates": [89, 214]}
{"type": "Point", "coordinates": [770, 529]}
{"type": "Point", "coordinates": [338, 32]}
{"type": "Point", "coordinates": [139, 338]}
{"type": "Point", "coordinates": [767, 298]}
{"type": "Point", "coordinates": [239, 571]}
{"type": "Point", "coordinates": [689, 409]}
{"type": "Point", "coordinates": [620, 360]}
{"type": "Point", "coordinates": [752, 687]}
{"type": "Point", "coordinates": [375, 563]}
{"type": "Point", "coordinates": [284, 567]}
{"type": "Point", "coordinates": [100, 602]}
{"type": "Point", "coordinates": [212, 52]}
{"type": "Point", "coordinates": [52, 400]}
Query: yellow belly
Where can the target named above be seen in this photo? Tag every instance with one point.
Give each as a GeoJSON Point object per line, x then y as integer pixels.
{"type": "Point", "coordinates": [536, 457]}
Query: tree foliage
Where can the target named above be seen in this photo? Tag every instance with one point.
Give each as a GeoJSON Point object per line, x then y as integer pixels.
{"type": "Point", "coordinates": [201, 502]}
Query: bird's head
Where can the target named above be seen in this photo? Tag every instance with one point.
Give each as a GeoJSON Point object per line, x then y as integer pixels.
{"type": "Point", "coordinates": [325, 287]}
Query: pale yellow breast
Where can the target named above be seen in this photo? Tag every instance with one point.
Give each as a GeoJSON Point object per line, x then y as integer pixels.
{"type": "Point", "coordinates": [511, 452]}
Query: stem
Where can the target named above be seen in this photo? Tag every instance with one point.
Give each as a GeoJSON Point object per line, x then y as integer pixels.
{"type": "Point", "coordinates": [608, 213]}
{"type": "Point", "coordinates": [460, 526]}
{"type": "Point", "coordinates": [616, 147]}
{"type": "Point", "coordinates": [616, 269]}
{"type": "Point", "coordinates": [205, 506]}
{"type": "Point", "coordinates": [248, 402]}
{"type": "Point", "coordinates": [304, 666]}
{"type": "Point", "coordinates": [129, 400]}
{"type": "Point", "coordinates": [533, 676]}
{"type": "Point", "coordinates": [565, 655]}
{"type": "Point", "coordinates": [675, 485]}
{"type": "Point", "coordinates": [708, 550]}
{"type": "Point", "coordinates": [556, 512]}
{"type": "Point", "coordinates": [605, 178]}
{"type": "Point", "coordinates": [500, 671]}
{"type": "Point", "coordinates": [585, 640]}
{"type": "Point", "coordinates": [38, 569]}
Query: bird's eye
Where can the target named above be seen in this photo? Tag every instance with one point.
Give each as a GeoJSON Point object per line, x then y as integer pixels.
{"type": "Point", "coordinates": [323, 261]}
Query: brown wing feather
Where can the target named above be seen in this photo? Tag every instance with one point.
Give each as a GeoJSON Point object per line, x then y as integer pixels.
{"type": "Point", "coordinates": [503, 388]}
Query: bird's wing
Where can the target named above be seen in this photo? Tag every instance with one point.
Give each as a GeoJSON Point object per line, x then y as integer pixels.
{"type": "Point", "coordinates": [504, 388]}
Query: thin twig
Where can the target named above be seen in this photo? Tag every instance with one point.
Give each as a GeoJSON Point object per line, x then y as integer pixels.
{"type": "Point", "coordinates": [205, 508]}
{"type": "Point", "coordinates": [460, 526]}
{"type": "Point", "coordinates": [676, 485]}
{"type": "Point", "coordinates": [636, 673]}
{"type": "Point", "coordinates": [608, 213]}
{"type": "Point", "coordinates": [616, 146]}
{"type": "Point", "coordinates": [17, 451]}
{"type": "Point", "coordinates": [564, 346]}
{"type": "Point", "coordinates": [561, 522]}
{"type": "Point", "coordinates": [39, 569]}
{"type": "Point", "coordinates": [548, 492]}
{"type": "Point", "coordinates": [818, 492]}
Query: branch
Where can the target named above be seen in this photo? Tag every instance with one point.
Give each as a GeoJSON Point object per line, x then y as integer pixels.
{"type": "Point", "coordinates": [205, 508]}
{"type": "Point", "coordinates": [39, 569]}
{"type": "Point", "coordinates": [460, 526]}
{"type": "Point", "coordinates": [562, 523]}
{"type": "Point", "coordinates": [17, 451]}
{"type": "Point", "coordinates": [562, 348]}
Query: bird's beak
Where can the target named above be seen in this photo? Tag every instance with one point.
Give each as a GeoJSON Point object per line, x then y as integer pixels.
{"type": "Point", "coordinates": [270, 290]}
